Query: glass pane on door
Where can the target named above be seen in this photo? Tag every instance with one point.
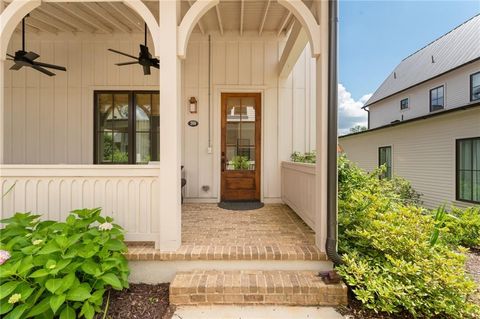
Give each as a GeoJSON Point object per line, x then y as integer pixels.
{"type": "Point", "coordinates": [240, 134]}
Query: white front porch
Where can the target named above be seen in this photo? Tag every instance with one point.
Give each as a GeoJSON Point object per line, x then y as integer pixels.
{"type": "Point", "coordinates": [47, 124]}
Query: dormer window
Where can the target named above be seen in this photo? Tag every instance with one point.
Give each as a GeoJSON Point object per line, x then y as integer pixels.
{"type": "Point", "coordinates": [475, 87]}
{"type": "Point", "coordinates": [404, 104]}
{"type": "Point", "coordinates": [437, 98]}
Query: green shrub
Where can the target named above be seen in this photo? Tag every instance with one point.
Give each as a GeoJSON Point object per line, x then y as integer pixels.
{"type": "Point", "coordinates": [52, 269]}
{"type": "Point", "coordinates": [391, 261]}
{"type": "Point", "coordinates": [308, 157]}
{"type": "Point", "coordinates": [462, 227]}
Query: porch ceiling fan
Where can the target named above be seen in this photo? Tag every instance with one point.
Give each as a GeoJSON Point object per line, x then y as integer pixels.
{"type": "Point", "coordinates": [23, 58]}
{"type": "Point", "coordinates": [144, 57]}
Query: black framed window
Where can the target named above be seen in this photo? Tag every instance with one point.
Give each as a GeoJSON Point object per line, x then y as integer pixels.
{"type": "Point", "coordinates": [468, 170]}
{"type": "Point", "coordinates": [437, 98]}
{"type": "Point", "coordinates": [475, 87]}
{"type": "Point", "coordinates": [385, 158]}
{"type": "Point", "coordinates": [127, 127]}
{"type": "Point", "coordinates": [404, 104]}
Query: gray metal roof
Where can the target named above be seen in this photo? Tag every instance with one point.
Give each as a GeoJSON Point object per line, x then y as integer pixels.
{"type": "Point", "coordinates": [457, 47]}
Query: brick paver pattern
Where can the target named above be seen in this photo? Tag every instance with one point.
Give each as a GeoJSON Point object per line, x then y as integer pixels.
{"type": "Point", "coordinates": [298, 288]}
{"type": "Point", "coordinates": [273, 232]}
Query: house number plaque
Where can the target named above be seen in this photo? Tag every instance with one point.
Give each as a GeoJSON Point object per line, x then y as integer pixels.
{"type": "Point", "coordinates": [192, 123]}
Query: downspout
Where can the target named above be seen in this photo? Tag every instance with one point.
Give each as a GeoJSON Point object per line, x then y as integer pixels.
{"type": "Point", "coordinates": [365, 108]}
{"type": "Point", "coordinates": [332, 187]}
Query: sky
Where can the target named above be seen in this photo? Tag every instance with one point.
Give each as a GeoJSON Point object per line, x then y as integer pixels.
{"type": "Point", "coordinates": [375, 36]}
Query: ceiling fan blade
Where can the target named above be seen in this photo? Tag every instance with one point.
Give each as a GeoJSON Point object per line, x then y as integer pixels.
{"type": "Point", "coordinates": [126, 63]}
{"type": "Point", "coordinates": [31, 56]}
{"type": "Point", "coordinates": [50, 66]}
{"type": "Point", "coordinates": [12, 56]}
{"type": "Point", "coordinates": [16, 67]}
{"type": "Point", "coordinates": [125, 54]}
{"type": "Point", "coordinates": [44, 71]}
{"type": "Point", "coordinates": [146, 70]}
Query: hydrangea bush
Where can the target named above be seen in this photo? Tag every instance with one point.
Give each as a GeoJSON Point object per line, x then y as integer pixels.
{"type": "Point", "coordinates": [59, 269]}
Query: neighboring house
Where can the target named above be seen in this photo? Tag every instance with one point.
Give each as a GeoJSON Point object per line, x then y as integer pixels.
{"type": "Point", "coordinates": [424, 120]}
{"type": "Point", "coordinates": [235, 78]}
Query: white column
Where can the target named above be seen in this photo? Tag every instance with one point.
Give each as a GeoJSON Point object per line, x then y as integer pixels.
{"type": "Point", "coordinates": [170, 132]}
{"type": "Point", "coordinates": [321, 88]}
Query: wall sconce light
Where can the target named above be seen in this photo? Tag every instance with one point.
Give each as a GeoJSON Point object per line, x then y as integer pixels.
{"type": "Point", "coordinates": [193, 105]}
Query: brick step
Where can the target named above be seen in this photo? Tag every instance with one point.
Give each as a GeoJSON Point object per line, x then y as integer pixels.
{"type": "Point", "coordinates": [295, 288]}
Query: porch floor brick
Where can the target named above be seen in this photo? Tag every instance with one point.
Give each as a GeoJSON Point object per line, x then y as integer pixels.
{"type": "Point", "coordinates": [273, 232]}
{"type": "Point", "coordinates": [299, 288]}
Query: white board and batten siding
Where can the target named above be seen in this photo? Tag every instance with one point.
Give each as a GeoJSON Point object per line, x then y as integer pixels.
{"type": "Point", "coordinates": [456, 91]}
{"type": "Point", "coordinates": [128, 194]}
{"type": "Point", "coordinates": [423, 152]}
{"type": "Point", "coordinates": [50, 120]}
{"type": "Point", "coordinates": [245, 64]}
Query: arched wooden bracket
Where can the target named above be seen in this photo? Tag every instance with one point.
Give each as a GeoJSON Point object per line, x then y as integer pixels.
{"type": "Point", "coordinates": [189, 21]}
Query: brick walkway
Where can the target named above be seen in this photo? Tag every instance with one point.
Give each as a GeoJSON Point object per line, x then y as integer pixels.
{"type": "Point", "coordinates": [273, 232]}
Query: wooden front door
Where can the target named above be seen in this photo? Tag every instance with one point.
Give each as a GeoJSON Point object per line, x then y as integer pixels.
{"type": "Point", "coordinates": [241, 148]}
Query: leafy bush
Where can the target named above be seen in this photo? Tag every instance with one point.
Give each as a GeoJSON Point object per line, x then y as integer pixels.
{"type": "Point", "coordinates": [308, 157]}
{"type": "Point", "coordinates": [390, 260]}
{"type": "Point", "coordinates": [462, 227]}
{"type": "Point", "coordinates": [50, 269]}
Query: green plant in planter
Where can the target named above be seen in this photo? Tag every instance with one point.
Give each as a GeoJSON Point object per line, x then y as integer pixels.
{"type": "Point", "coordinates": [240, 162]}
{"type": "Point", "coordinates": [54, 269]}
{"type": "Point", "coordinates": [308, 157]}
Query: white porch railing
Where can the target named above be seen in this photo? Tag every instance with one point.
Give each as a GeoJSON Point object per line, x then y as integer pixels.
{"type": "Point", "coordinates": [130, 194]}
{"type": "Point", "coordinates": [298, 189]}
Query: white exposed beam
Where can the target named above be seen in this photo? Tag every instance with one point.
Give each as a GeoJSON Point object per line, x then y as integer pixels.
{"type": "Point", "coordinates": [98, 10]}
{"type": "Point", "coordinates": [294, 47]}
{"type": "Point", "coordinates": [242, 9]}
{"type": "Point", "coordinates": [75, 10]}
{"type": "Point", "coordinates": [200, 24]}
{"type": "Point", "coordinates": [54, 11]}
{"type": "Point", "coordinates": [284, 23]}
{"type": "Point", "coordinates": [264, 18]}
{"type": "Point", "coordinates": [41, 25]}
{"type": "Point", "coordinates": [219, 18]}
{"type": "Point", "coordinates": [127, 14]}
{"type": "Point", "coordinates": [45, 18]}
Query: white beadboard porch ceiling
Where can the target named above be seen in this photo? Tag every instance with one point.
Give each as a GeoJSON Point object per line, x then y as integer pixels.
{"type": "Point", "coordinates": [232, 16]}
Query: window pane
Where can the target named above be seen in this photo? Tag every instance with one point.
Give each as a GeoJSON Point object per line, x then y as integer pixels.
{"type": "Point", "coordinates": [240, 131]}
{"type": "Point", "coordinates": [104, 112]}
{"type": "Point", "coordinates": [465, 160]}
{"type": "Point", "coordinates": [105, 147]}
{"type": "Point", "coordinates": [476, 154]}
{"type": "Point", "coordinates": [143, 148]}
{"type": "Point", "coordinates": [120, 148]}
{"type": "Point", "coordinates": [476, 186]}
{"type": "Point", "coordinates": [385, 158]}
{"type": "Point", "coordinates": [468, 173]}
{"type": "Point", "coordinates": [476, 79]}
{"type": "Point", "coordinates": [465, 185]}
{"type": "Point", "coordinates": [143, 111]}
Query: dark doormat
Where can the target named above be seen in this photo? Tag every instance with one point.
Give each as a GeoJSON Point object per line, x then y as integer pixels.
{"type": "Point", "coordinates": [241, 205]}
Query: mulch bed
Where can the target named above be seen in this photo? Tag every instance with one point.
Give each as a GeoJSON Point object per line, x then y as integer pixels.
{"type": "Point", "coordinates": [140, 301]}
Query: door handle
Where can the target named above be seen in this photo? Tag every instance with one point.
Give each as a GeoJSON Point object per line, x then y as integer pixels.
{"type": "Point", "coordinates": [224, 162]}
